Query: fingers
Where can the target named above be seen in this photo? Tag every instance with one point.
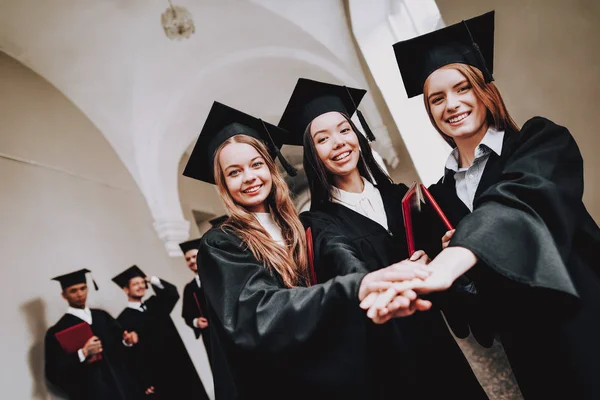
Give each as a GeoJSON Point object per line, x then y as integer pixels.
{"type": "Point", "coordinates": [446, 238]}
{"type": "Point", "coordinates": [416, 255]}
{"type": "Point", "coordinates": [369, 300]}
{"type": "Point", "coordinates": [422, 305]}
{"type": "Point", "coordinates": [382, 301]}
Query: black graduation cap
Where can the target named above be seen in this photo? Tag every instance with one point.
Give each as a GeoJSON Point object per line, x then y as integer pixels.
{"type": "Point", "coordinates": [311, 99]}
{"type": "Point", "coordinates": [74, 278]}
{"type": "Point", "coordinates": [189, 245]}
{"type": "Point", "coordinates": [218, 221]}
{"type": "Point", "coordinates": [222, 123]}
{"type": "Point", "coordinates": [468, 42]}
{"type": "Point", "coordinates": [124, 277]}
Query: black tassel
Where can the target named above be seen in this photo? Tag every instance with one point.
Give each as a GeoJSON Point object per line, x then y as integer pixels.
{"type": "Point", "coordinates": [94, 282]}
{"type": "Point", "coordinates": [361, 118]}
{"type": "Point", "coordinates": [365, 126]}
{"type": "Point", "coordinates": [289, 168]}
{"type": "Point", "coordinates": [486, 73]}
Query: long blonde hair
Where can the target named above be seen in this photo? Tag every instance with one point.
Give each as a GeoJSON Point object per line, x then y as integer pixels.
{"type": "Point", "coordinates": [291, 261]}
{"type": "Point", "coordinates": [488, 93]}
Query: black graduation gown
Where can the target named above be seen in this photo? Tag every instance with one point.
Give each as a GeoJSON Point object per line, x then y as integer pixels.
{"type": "Point", "coordinates": [161, 359]}
{"type": "Point", "coordinates": [273, 342]}
{"type": "Point", "coordinates": [346, 242]}
{"type": "Point", "coordinates": [190, 311]}
{"type": "Point", "coordinates": [537, 275]}
{"type": "Point", "coordinates": [105, 379]}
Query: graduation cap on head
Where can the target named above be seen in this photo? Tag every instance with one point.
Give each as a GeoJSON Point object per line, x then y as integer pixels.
{"type": "Point", "coordinates": [311, 99]}
{"type": "Point", "coordinates": [189, 245]}
{"type": "Point", "coordinates": [222, 123]}
{"type": "Point", "coordinates": [124, 277]}
{"type": "Point", "coordinates": [218, 221]}
{"type": "Point", "coordinates": [468, 42]}
{"type": "Point", "coordinates": [74, 278]}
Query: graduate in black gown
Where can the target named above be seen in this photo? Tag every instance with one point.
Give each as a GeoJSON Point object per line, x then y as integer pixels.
{"type": "Point", "coordinates": [272, 336]}
{"type": "Point", "coordinates": [82, 374]}
{"type": "Point", "coordinates": [523, 234]}
{"type": "Point", "coordinates": [358, 225]}
{"type": "Point", "coordinates": [161, 361]}
{"type": "Point", "coordinates": [193, 309]}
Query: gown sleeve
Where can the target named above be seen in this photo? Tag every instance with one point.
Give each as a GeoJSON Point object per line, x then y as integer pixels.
{"type": "Point", "coordinates": [256, 312]}
{"type": "Point", "coordinates": [334, 253]}
{"type": "Point", "coordinates": [166, 297]}
{"type": "Point", "coordinates": [523, 226]}
{"type": "Point", "coordinates": [58, 364]}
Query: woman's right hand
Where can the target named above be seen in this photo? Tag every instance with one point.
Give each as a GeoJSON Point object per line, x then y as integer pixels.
{"type": "Point", "coordinates": [403, 276]}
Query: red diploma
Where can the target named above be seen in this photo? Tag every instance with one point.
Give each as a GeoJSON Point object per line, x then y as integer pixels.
{"type": "Point", "coordinates": [74, 338]}
{"type": "Point", "coordinates": [198, 305]}
{"type": "Point", "coordinates": [416, 197]}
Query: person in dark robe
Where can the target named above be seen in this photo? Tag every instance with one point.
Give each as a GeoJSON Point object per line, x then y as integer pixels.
{"type": "Point", "coordinates": [161, 361]}
{"type": "Point", "coordinates": [523, 234]}
{"type": "Point", "coordinates": [193, 309]}
{"type": "Point", "coordinates": [97, 370]}
{"type": "Point", "coordinates": [272, 335]}
{"type": "Point", "coordinates": [358, 225]}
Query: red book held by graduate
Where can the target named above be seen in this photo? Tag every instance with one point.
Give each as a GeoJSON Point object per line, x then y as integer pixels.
{"type": "Point", "coordinates": [414, 201]}
{"type": "Point", "coordinates": [74, 338]}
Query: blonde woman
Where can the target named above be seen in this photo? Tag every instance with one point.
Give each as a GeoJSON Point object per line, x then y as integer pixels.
{"type": "Point", "coordinates": [274, 337]}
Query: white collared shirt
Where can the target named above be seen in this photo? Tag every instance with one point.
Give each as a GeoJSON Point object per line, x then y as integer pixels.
{"type": "Point", "coordinates": [267, 222]}
{"type": "Point", "coordinates": [467, 179]}
{"type": "Point", "coordinates": [81, 313]}
{"type": "Point", "coordinates": [197, 278]}
{"type": "Point", "coordinates": [368, 203]}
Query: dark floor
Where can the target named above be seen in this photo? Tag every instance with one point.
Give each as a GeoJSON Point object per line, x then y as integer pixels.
{"type": "Point", "coordinates": [492, 369]}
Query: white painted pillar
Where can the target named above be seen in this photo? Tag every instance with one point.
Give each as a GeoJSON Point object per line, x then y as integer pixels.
{"type": "Point", "coordinates": [377, 25]}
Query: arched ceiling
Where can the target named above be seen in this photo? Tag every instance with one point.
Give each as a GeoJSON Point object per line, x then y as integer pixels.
{"type": "Point", "coordinates": [149, 95]}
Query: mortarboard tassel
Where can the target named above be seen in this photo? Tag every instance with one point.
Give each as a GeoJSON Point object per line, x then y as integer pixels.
{"type": "Point", "coordinates": [486, 73]}
{"type": "Point", "coordinates": [289, 168]}
{"type": "Point", "coordinates": [365, 126]}
{"type": "Point", "coordinates": [94, 282]}
{"type": "Point", "coordinates": [361, 118]}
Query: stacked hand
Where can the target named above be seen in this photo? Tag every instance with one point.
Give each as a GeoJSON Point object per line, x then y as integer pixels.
{"type": "Point", "coordinates": [394, 291]}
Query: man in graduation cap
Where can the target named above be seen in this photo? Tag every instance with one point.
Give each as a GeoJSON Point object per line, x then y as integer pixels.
{"type": "Point", "coordinates": [161, 361]}
{"type": "Point", "coordinates": [96, 371]}
{"type": "Point", "coordinates": [194, 303]}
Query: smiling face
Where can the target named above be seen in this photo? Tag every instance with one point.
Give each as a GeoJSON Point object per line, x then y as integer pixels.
{"type": "Point", "coordinates": [247, 176]}
{"type": "Point", "coordinates": [336, 143]}
{"type": "Point", "coordinates": [136, 289]}
{"type": "Point", "coordinates": [453, 105]}
{"type": "Point", "coordinates": [190, 260]}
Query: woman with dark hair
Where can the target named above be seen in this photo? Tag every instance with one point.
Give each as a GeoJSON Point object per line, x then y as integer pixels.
{"type": "Point", "coordinates": [272, 336]}
{"type": "Point", "coordinates": [357, 226]}
{"type": "Point", "coordinates": [514, 195]}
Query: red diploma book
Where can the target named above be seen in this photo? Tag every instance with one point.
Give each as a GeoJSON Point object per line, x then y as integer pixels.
{"type": "Point", "coordinates": [198, 305]}
{"type": "Point", "coordinates": [73, 338]}
{"type": "Point", "coordinates": [417, 197]}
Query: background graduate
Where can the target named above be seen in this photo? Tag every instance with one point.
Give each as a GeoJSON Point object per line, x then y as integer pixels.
{"type": "Point", "coordinates": [82, 375]}
{"type": "Point", "coordinates": [515, 198]}
{"type": "Point", "coordinates": [161, 361]}
{"type": "Point", "coordinates": [271, 336]}
{"type": "Point", "coordinates": [357, 225]}
{"type": "Point", "coordinates": [193, 309]}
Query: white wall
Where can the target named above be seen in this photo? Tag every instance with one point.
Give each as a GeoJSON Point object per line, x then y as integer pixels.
{"type": "Point", "coordinates": [66, 202]}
